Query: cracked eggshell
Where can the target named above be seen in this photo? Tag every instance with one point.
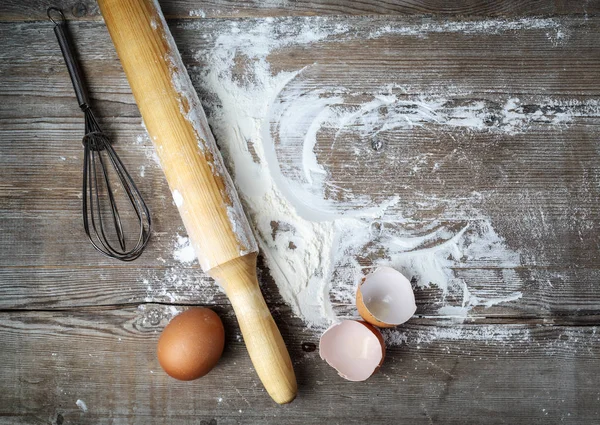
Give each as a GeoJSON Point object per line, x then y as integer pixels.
{"type": "Point", "coordinates": [354, 348]}
{"type": "Point", "coordinates": [385, 298]}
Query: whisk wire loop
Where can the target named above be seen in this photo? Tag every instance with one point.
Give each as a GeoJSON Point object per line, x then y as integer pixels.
{"type": "Point", "coordinates": [97, 181]}
{"type": "Point", "coordinates": [99, 156]}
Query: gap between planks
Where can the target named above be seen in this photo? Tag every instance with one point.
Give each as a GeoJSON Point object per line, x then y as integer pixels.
{"type": "Point", "coordinates": [591, 320]}
{"type": "Point", "coordinates": [18, 11]}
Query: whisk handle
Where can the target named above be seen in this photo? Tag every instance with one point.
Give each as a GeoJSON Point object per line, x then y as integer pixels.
{"type": "Point", "coordinates": [68, 52]}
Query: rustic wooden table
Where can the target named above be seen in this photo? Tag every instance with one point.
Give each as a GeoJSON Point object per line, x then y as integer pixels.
{"type": "Point", "coordinates": [78, 331]}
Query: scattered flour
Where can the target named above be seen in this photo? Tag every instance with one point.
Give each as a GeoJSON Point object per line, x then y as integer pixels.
{"type": "Point", "coordinates": [180, 281]}
{"type": "Point", "coordinates": [153, 314]}
{"type": "Point", "coordinates": [191, 109]}
{"type": "Point", "coordinates": [184, 251]}
{"type": "Point", "coordinates": [198, 13]}
{"type": "Point", "coordinates": [82, 406]}
{"type": "Point", "coordinates": [177, 198]}
{"type": "Point", "coordinates": [486, 333]}
{"type": "Point", "coordinates": [180, 285]}
{"type": "Point", "coordinates": [311, 245]}
{"type": "Point", "coordinates": [486, 26]}
{"type": "Point", "coordinates": [317, 247]}
{"type": "Point", "coordinates": [144, 141]}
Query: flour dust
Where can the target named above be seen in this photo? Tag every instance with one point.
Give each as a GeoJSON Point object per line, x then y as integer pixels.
{"type": "Point", "coordinates": [316, 245]}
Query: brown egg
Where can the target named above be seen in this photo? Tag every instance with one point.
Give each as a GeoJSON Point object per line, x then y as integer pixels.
{"type": "Point", "coordinates": [191, 344]}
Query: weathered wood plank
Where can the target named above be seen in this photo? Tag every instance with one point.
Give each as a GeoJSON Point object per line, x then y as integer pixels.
{"type": "Point", "coordinates": [48, 262]}
{"type": "Point", "coordinates": [560, 296]}
{"type": "Point", "coordinates": [13, 10]}
{"type": "Point", "coordinates": [43, 288]}
{"type": "Point", "coordinates": [533, 360]}
{"type": "Point", "coordinates": [55, 237]}
{"type": "Point", "coordinates": [454, 374]}
{"type": "Point", "coordinates": [542, 57]}
{"type": "Point", "coordinates": [42, 126]}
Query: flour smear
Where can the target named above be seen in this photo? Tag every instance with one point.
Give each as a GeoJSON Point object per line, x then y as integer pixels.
{"type": "Point", "coordinates": [318, 246]}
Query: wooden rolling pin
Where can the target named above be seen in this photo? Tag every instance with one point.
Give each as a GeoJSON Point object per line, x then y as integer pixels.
{"type": "Point", "coordinates": [201, 187]}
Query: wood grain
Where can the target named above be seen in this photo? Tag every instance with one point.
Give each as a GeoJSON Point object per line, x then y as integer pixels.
{"type": "Point", "coordinates": [533, 360]}
{"type": "Point", "coordinates": [521, 373]}
{"type": "Point", "coordinates": [527, 187]}
{"type": "Point", "coordinates": [14, 10]}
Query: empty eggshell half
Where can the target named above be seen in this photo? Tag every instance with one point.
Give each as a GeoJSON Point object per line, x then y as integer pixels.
{"type": "Point", "coordinates": [354, 348]}
{"type": "Point", "coordinates": [385, 298]}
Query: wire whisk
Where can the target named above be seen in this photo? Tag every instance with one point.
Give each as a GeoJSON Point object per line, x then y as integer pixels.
{"type": "Point", "coordinates": [102, 223]}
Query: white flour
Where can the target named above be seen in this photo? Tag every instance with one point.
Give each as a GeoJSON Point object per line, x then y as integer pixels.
{"type": "Point", "coordinates": [318, 246]}
{"type": "Point", "coordinates": [198, 13]}
{"type": "Point", "coordinates": [184, 251]}
{"type": "Point", "coordinates": [192, 111]}
{"type": "Point", "coordinates": [82, 406]}
{"type": "Point", "coordinates": [177, 198]}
